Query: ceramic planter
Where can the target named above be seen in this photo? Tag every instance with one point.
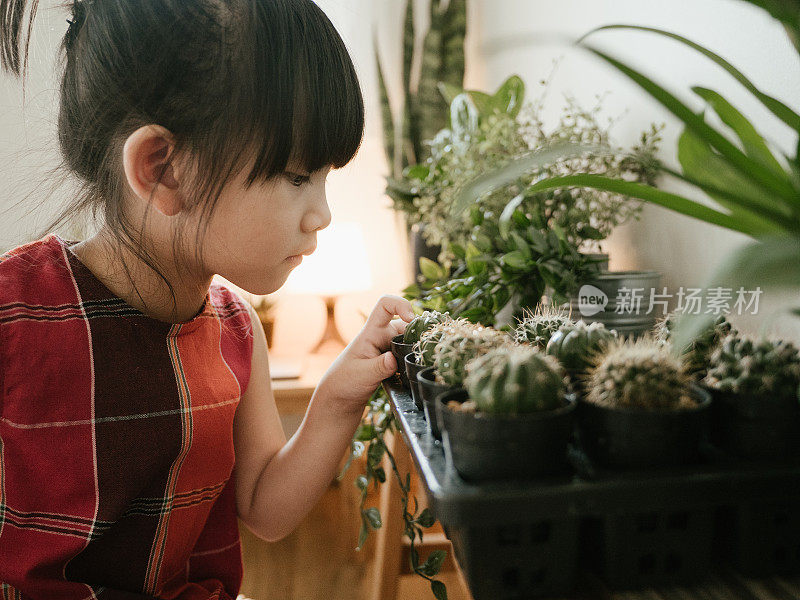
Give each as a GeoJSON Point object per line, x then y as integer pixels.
{"type": "Point", "coordinates": [603, 298]}
{"type": "Point", "coordinates": [489, 446]}
{"type": "Point", "coordinates": [430, 389]}
{"type": "Point", "coordinates": [412, 368]}
{"type": "Point", "coordinates": [400, 350]}
{"type": "Point", "coordinates": [638, 438]}
{"type": "Point", "coordinates": [757, 428]}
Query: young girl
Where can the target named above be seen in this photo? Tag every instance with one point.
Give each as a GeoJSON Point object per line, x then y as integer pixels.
{"type": "Point", "coordinates": [136, 416]}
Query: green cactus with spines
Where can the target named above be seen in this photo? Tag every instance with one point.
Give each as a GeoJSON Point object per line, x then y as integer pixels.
{"type": "Point", "coordinates": [421, 323]}
{"type": "Point", "coordinates": [575, 345]}
{"type": "Point", "coordinates": [460, 343]}
{"type": "Point", "coordinates": [538, 326]}
{"type": "Point", "coordinates": [514, 379]}
{"type": "Point", "coordinates": [697, 355]}
{"type": "Point", "coordinates": [425, 347]}
{"type": "Point", "coordinates": [638, 374]}
{"type": "Point", "coordinates": [768, 369]}
{"type": "Point", "coordinates": [425, 111]}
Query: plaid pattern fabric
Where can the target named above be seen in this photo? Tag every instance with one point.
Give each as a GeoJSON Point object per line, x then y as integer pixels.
{"type": "Point", "coordinates": [116, 438]}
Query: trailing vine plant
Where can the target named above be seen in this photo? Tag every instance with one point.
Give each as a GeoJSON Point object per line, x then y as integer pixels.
{"type": "Point", "coordinates": [369, 440]}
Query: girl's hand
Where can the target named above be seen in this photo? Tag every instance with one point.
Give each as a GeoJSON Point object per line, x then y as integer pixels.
{"type": "Point", "coordinates": [367, 360]}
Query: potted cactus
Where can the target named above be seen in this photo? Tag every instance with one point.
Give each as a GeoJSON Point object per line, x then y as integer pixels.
{"type": "Point", "coordinates": [641, 408]}
{"type": "Point", "coordinates": [756, 387]}
{"type": "Point", "coordinates": [514, 419]}
{"type": "Point", "coordinates": [697, 354]}
{"type": "Point", "coordinates": [459, 342]}
{"type": "Point", "coordinates": [418, 327]}
{"type": "Point", "coordinates": [575, 345]}
{"type": "Point", "coordinates": [538, 326]}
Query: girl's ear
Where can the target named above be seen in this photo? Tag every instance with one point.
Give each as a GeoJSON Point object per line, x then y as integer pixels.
{"type": "Point", "coordinates": [146, 160]}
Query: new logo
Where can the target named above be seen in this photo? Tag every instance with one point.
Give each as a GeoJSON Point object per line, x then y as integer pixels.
{"type": "Point", "coordinates": [591, 300]}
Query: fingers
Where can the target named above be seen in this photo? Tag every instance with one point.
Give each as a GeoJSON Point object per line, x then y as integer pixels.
{"type": "Point", "coordinates": [386, 308]}
{"type": "Point", "coordinates": [398, 326]}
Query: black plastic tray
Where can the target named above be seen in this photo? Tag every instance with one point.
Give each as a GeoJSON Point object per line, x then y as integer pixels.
{"type": "Point", "coordinates": [634, 529]}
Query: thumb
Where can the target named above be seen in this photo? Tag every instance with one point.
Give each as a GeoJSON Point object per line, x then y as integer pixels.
{"type": "Point", "coordinates": [384, 365]}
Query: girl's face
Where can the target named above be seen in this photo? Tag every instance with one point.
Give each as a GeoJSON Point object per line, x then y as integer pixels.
{"type": "Point", "coordinates": [256, 236]}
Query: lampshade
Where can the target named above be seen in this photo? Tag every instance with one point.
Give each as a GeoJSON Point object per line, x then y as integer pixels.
{"type": "Point", "coordinates": [339, 264]}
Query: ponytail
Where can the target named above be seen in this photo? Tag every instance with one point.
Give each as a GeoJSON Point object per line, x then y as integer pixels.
{"type": "Point", "coordinates": [13, 58]}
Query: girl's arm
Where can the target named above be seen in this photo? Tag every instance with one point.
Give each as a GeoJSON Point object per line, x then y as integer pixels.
{"type": "Point", "coordinates": [278, 482]}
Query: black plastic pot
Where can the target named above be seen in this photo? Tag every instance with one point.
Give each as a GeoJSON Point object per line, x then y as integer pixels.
{"type": "Point", "coordinates": [412, 368]}
{"type": "Point", "coordinates": [631, 437]}
{"type": "Point", "coordinates": [756, 428]}
{"type": "Point", "coordinates": [430, 389]}
{"type": "Point", "coordinates": [400, 350]}
{"type": "Point", "coordinates": [485, 446]}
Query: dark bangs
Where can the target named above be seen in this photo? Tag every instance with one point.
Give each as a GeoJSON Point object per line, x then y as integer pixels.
{"type": "Point", "coordinates": [305, 103]}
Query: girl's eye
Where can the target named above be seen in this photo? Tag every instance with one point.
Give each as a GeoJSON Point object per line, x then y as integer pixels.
{"type": "Point", "coordinates": [297, 180]}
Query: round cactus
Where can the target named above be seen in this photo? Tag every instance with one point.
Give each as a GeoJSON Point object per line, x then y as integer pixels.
{"type": "Point", "coordinates": [459, 343]}
{"type": "Point", "coordinates": [537, 327]}
{"type": "Point", "coordinates": [765, 368]}
{"type": "Point", "coordinates": [574, 345]}
{"type": "Point", "coordinates": [423, 348]}
{"type": "Point", "coordinates": [638, 374]}
{"type": "Point", "coordinates": [422, 323]}
{"type": "Point", "coordinates": [515, 380]}
{"type": "Point", "coordinates": [697, 355]}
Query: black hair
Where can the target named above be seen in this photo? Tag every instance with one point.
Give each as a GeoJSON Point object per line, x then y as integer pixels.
{"type": "Point", "coordinates": [236, 82]}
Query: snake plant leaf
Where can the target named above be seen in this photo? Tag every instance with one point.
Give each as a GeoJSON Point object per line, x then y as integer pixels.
{"type": "Point", "coordinates": [408, 46]}
{"type": "Point", "coordinates": [770, 263]}
{"type": "Point", "coordinates": [712, 172]}
{"type": "Point", "coordinates": [746, 165]}
{"type": "Point", "coordinates": [410, 147]}
{"type": "Point", "coordinates": [509, 96]}
{"type": "Point", "coordinates": [775, 106]}
{"type": "Point", "coordinates": [454, 30]}
{"type": "Point", "coordinates": [449, 91]}
{"type": "Point", "coordinates": [431, 110]}
{"type": "Point", "coordinates": [754, 145]}
{"type": "Point", "coordinates": [386, 115]}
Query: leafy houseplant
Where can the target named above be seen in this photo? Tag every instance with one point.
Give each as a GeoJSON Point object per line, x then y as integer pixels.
{"type": "Point", "coordinates": [514, 419]}
{"type": "Point", "coordinates": [755, 189]}
{"type": "Point", "coordinates": [756, 388]}
{"type": "Point", "coordinates": [641, 408]}
{"type": "Point", "coordinates": [496, 252]}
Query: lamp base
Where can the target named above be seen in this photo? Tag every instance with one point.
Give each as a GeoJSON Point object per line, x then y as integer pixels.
{"type": "Point", "coordinates": [331, 336]}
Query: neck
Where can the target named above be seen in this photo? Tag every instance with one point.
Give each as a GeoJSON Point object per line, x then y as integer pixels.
{"type": "Point", "coordinates": [131, 279]}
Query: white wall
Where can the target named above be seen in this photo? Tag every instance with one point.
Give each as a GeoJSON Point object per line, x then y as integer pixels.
{"type": "Point", "coordinates": [518, 37]}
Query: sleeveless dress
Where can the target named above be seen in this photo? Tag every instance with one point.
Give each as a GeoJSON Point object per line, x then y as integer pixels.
{"type": "Point", "coordinates": [116, 437]}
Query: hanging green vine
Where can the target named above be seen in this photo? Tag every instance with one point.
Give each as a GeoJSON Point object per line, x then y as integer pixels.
{"type": "Point", "coordinates": [369, 439]}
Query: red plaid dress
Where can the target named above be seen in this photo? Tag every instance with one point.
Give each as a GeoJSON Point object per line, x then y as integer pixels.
{"type": "Point", "coordinates": [116, 438]}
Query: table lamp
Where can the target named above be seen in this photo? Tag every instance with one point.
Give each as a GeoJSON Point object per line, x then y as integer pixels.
{"type": "Point", "coordinates": [338, 266]}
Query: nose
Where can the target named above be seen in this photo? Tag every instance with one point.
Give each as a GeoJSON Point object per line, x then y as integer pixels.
{"type": "Point", "coordinates": [318, 216]}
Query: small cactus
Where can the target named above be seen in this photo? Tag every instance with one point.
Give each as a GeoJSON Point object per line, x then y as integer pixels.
{"type": "Point", "coordinates": [766, 369]}
{"type": "Point", "coordinates": [574, 345]}
{"type": "Point", "coordinates": [461, 342]}
{"type": "Point", "coordinates": [424, 348]}
{"type": "Point", "coordinates": [537, 327]}
{"type": "Point", "coordinates": [698, 354]}
{"type": "Point", "coordinates": [639, 374]}
{"type": "Point", "coordinates": [515, 380]}
{"type": "Point", "coordinates": [422, 323]}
